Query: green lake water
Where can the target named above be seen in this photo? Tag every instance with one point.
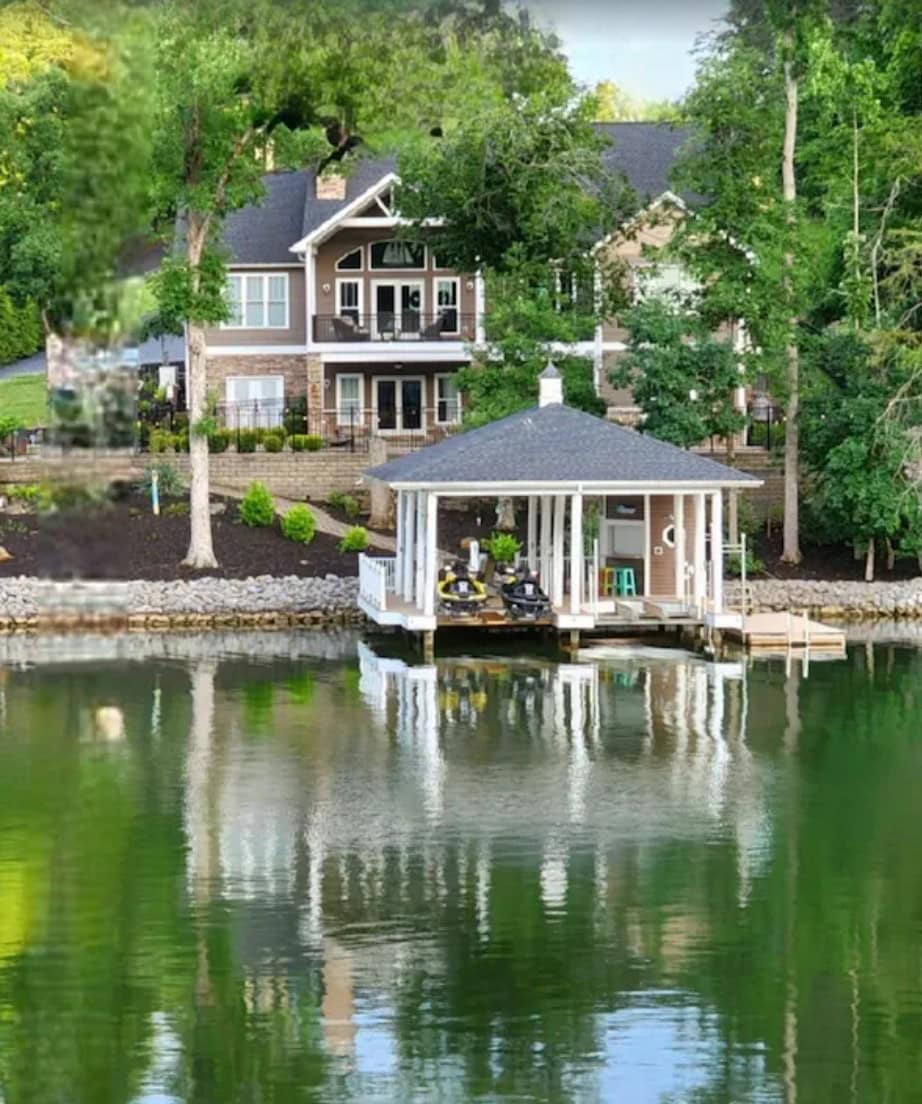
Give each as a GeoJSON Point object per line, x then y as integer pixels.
{"type": "Point", "coordinates": [282, 868]}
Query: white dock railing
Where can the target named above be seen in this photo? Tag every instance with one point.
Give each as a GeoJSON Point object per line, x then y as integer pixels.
{"type": "Point", "coordinates": [377, 579]}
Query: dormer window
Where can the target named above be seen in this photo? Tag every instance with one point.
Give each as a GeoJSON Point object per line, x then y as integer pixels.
{"type": "Point", "coordinates": [398, 254]}
{"type": "Point", "coordinates": [351, 262]}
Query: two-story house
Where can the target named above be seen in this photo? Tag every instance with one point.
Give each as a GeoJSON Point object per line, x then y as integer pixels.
{"type": "Point", "coordinates": [332, 306]}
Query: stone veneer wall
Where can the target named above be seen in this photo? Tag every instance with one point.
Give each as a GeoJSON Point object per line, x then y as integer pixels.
{"type": "Point", "coordinates": [297, 475]}
{"type": "Point", "coordinates": [293, 366]}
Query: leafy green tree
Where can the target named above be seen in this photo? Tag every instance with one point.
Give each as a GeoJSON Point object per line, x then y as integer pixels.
{"type": "Point", "coordinates": [684, 378]}
{"type": "Point", "coordinates": [532, 319]}
{"type": "Point", "coordinates": [862, 445]}
{"type": "Point", "coordinates": [614, 105]}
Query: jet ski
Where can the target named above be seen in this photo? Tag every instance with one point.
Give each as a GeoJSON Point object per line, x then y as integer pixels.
{"type": "Point", "coordinates": [523, 596]}
{"type": "Point", "coordinates": [460, 591]}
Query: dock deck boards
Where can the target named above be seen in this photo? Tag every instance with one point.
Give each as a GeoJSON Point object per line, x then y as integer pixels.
{"type": "Point", "coordinates": [773, 630]}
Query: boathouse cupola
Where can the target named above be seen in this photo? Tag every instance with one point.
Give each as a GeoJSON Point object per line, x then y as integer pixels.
{"type": "Point", "coordinates": [550, 386]}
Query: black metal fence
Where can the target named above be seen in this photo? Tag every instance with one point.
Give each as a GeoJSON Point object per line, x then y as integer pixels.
{"type": "Point", "coordinates": [447, 324]}
{"type": "Point", "coordinates": [765, 424]}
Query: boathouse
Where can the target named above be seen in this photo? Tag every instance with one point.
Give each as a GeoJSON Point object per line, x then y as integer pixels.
{"type": "Point", "coordinates": [657, 554]}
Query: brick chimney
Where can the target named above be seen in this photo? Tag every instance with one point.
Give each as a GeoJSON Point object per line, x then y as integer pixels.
{"type": "Point", "coordinates": [331, 185]}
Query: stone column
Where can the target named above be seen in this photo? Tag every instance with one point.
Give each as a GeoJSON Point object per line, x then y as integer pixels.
{"type": "Point", "coordinates": [382, 497]}
{"type": "Point", "coordinates": [315, 395]}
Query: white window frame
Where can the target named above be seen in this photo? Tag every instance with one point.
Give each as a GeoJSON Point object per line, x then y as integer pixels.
{"type": "Point", "coordinates": [456, 420]}
{"type": "Point", "coordinates": [340, 280]}
{"type": "Point", "coordinates": [360, 249]}
{"type": "Point", "coordinates": [231, 380]}
{"type": "Point", "coordinates": [421, 380]}
{"type": "Point", "coordinates": [387, 241]}
{"type": "Point", "coordinates": [340, 376]}
{"type": "Point", "coordinates": [436, 307]}
{"type": "Point", "coordinates": [265, 277]}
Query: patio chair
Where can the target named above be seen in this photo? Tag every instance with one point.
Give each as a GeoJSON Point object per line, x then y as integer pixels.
{"type": "Point", "coordinates": [433, 332]}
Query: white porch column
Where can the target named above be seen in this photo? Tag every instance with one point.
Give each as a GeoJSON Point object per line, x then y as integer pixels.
{"type": "Point", "coordinates": [400, 551]}
{"type": "Point", "coordinates": [532, 545]}
{"type": "Point", "coordinates": [409, 542]}
{"type": "Point", "coordinates": [431, 550]}
{"type": "Point", "coordinates": [678, 513]}
{"type": "Point", "coordinates": [545, 560]}
{"type": "Point", "coordinates": [419, 545]}
{"type": "Point", "coordinates": [576, 553]}
{"type": "Point", "coordinates": [700, 576]}
{"type": "Point", "coordinates": [717, 551]}
{"type": "Point", "coordinates": [560, 507]}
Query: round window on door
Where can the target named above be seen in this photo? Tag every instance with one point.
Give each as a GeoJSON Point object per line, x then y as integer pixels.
{"type": "Point", "coordinates": [669, 536]}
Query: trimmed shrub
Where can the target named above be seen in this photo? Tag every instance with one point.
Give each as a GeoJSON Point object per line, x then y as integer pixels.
{"type": "Point", "coordinates": [219, 440]}
{"type": "Point", "coordinates": [345, 502]}
{"type": "Point", "coordinates": [303, 442]}
{"type": "Point", "coordinates": [256, 507]}
{"type": "Point", "coordinates": [246, 440]}
{"type": "Point", "coordinates": [354, 540]}
{"type": "Point", "coordinates": [181, 441]}
{"type": "Point", "coordinates": [299, 524]}
{"type": "Point", "coordinates": [273, 442]}
{"type": "Point", "coordinates": [160, 440]}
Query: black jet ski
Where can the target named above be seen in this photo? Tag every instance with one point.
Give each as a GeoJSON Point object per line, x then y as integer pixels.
{"type": "Point", "coordinates": [460, 591]}
{"type": "Point", "coordinates": [523, 596]}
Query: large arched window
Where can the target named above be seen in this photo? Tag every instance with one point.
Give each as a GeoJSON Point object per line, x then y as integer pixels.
{"type": "Point", "coordinates": [398, 255]}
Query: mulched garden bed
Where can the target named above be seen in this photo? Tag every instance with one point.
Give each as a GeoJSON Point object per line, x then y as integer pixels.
{"type": "Point", "coordinates": [831, 563]}
{"type": "Point", "coordinates": [123, 540]}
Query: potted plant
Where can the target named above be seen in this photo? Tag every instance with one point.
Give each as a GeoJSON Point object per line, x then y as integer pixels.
{"type": "Point", "coordinates": [504, 549]}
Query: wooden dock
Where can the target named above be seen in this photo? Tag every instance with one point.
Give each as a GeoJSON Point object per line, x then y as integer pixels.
{"type": "Point", "coordinates": [781, 631]}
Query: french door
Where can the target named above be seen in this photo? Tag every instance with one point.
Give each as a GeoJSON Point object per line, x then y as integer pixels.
{"type": "Point", "coordinates": [398, 404]}
{"type": "Point", "coordinates": [398, 307]}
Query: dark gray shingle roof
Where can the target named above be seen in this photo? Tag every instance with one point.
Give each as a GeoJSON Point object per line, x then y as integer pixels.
{"type": "Point", "coordinates": [262, 233]}
{"type": "Point", "coordinates": [645, 153]}
{"type": "Point", "coordinates": [555, 443]}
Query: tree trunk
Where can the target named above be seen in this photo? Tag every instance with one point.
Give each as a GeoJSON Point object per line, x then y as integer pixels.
{"type": "Point", "coordinates": [869, 562]}
{"type": "Point", "coordinates": [891, 555]}
{"type": "Point", "coordinates": [791, 547]}
{"type": "Point", "coordinates": [505, 514]}
{"type": "Point", "coordinates": [201, 551]}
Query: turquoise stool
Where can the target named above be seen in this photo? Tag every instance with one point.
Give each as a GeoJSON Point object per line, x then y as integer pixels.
{"type": "Point", "coordinates": [625, 584]}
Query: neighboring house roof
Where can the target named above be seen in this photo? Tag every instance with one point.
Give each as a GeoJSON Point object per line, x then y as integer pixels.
{"type": "Point", "coordinates": [645, 153]}
{"type": "Point", "coordinates": [150, 353]}
{"type": "Point", "coordinates": [555, 444]}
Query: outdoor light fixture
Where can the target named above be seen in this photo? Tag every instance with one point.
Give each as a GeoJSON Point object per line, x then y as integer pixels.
{"type": "Point", "coordinates": [470, 285]}
{"type": "Point", "coordinates": [325, 288]}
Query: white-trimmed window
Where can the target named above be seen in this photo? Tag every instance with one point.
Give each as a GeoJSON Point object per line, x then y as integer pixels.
{"type": "Point", "coordinates": [447, 400]}
{"type": "Point", "coordinates": [349, 299]}
{"type": "Point", "coordinates": [447, 299]}
{"type": "Point", "coordinates": [257, 301]}
{"type": "Point", "coordinates": [667, 280]}
{"type": "Point", "coordinates": [350, 262]}
{"type": "Point", "coordinates": [254, 402]}
{"type": "Point", "coordinates": [397, 254]}
{"type": "Point", "coordinates": [349, 399]}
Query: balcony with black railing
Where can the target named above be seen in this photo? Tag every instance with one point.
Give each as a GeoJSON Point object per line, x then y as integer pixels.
{"type": "Point", "coordinates": [446, 324]}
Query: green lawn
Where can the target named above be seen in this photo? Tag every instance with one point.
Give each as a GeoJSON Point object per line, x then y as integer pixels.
{"type": "Point", "coordinates": [24, 398]}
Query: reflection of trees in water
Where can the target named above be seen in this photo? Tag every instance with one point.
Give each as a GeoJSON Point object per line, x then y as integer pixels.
{"type": "Point", "coordinates": [524, 869]}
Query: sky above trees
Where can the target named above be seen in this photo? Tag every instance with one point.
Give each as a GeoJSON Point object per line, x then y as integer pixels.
{"type": "Point", "coordinates": [644, 47]}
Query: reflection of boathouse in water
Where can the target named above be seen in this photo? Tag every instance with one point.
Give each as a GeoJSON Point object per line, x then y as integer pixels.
{"type": "Point", "coordinates": [424, 811]}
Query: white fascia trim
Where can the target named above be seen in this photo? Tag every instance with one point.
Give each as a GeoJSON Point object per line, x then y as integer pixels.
{"type": "Point", "coordinates": [387, 222]}
{"type": "Point", "coordinates": [348, 352]}
{"type": "Point", "coordinates": [667, 197]}
{"type": "Point", "coordinates": [254, 350]}
{"type": "Point", "coordinates": [462, 490]}
{"type": "Point", "coordinates": [239, 266]}
{"type": "Point", "coordinates": [345, 212]}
